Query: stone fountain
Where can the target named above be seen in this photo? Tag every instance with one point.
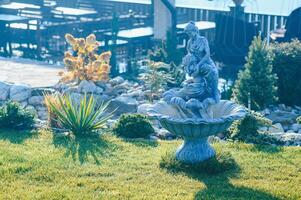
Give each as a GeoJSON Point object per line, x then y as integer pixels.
{"type": "Point", "coordinates": [195, 110]}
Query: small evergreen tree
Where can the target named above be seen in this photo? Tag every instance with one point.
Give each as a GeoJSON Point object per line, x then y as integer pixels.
{"type": "Point", "coordinates": [256, 84]}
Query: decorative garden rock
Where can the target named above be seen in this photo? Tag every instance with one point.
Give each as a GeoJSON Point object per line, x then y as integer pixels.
{"type": "Point", "coordinates": [195, 111]}
{"type": "Point", "coordinates": [20, 93]}
{"type": "Point", "coordinates": [296, 127]}
{"type": "Point", "coordinates": [4, 91]}
{"type": "Point", "coordinates": [142, 108]}
{"type": "Point", "coordinates": [89, 87]}
{"type": "Point", "coordinates": [276, 128]}
{"type": "Point", "coordinates": [36, 100]}
{"type": "Point", "coordinates": [122, 105]}
{"type": "Point", "coordinates": [289, 139]}
{"type": "Point", "coordinates": [116, 81]}
{"type": "Point", "coordinates": [283, 117]}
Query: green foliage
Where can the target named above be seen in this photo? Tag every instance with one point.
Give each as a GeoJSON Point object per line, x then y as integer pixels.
{"type": "Point", "coordinates": [248, 125]}
{"type": "Point", "coordinates": [247, 129]}
{"type": "Point", "coordinates": [177, 75]}
{"type": "Point", "coordinates": [13, 116]}
{"type": "Point", "coordinates": [81, 119]}
{"type": "Point", "coordinates": [256, 82]}
{"type": "Point", "coordinates": [156, 78]}
{"type": "Point", "coordinates": [226, 92]}
{"type": "Point", "coordinates": [168, 52]}
{"type": "Point", "coordinates": [159, 54]}
{"type": "Point", "coordinates": [222, 162]}
{"type": "Point", "coordinates": [133, 126]}
{"type": "Point", "coordinates": [287, 66]}
{"type": "Point", "coordinates": [298, 120]}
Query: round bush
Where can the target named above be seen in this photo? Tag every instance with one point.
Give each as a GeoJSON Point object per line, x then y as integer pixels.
{"type": "Point", "coordinates": [13, 116]}
{"type": "Point", "coordinates": [247, 130]}
{"type": "Point", "coordinates": [248, 126]}
{"type": "Point", "coordinates": [133, 126]}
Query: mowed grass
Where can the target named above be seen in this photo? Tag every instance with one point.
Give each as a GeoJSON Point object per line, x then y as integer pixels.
{"type": "Point", "coordinates": [40, 166]}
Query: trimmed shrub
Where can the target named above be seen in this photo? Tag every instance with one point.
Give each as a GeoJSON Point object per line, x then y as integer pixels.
{"type": "Point", "coordinates": [13, 116]}
{"type": "Point", "coordinates": [287, 66]}
{"type": "Point", "coordinates": [247, 129]}
{"type": "Point", "coordinates": [248, 126]}
{"type": "Point", "coordinates": [133, 126]}
{"type": "Point", "coordinates": [256, 82]}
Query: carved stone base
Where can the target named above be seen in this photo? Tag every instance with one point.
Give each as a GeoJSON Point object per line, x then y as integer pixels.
{"type": "Point", "coordinates": [194, 150]}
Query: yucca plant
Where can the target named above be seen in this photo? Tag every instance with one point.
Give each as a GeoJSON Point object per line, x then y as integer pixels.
{"type": "Point", "coordinates": [52, 98]}
{"type": "Point", "coordinates": [80, 118]}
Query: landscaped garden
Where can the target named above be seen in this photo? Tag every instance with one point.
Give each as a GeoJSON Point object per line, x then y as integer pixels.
{"type": "Point", "coordinates": [84, 138]}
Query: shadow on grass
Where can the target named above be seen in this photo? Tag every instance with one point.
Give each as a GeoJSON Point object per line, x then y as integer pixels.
{"type": "Point", "coordinates": [220, 187]}
{"type": "Point", "coordinates": [81, 148]}
{"type": "Point", "coordinates": [216, 174]}
{"type": "Point", "coordinates": [17, 136]}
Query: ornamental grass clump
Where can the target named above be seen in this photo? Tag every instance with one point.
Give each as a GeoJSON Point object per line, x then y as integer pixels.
{"type": "Point", "coordinates": [133, 126]}
{"type": "Point", "coordinates": [80, 118]}
{"type": "Point", "coordinates": [84, 63]}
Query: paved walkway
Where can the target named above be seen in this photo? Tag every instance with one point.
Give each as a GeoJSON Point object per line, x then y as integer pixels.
{"type": "Point", "coordinates": [34, 73]}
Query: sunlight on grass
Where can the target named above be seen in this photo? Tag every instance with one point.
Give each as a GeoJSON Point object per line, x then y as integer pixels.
{"type": "Point", "coordinates": [43, 166]}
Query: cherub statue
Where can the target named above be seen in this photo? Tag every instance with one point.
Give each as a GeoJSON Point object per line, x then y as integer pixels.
{"type": "Point", "coordinates": [201, 90]}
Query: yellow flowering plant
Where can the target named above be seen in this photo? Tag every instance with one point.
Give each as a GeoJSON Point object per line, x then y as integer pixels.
{"type": "Point", "coordinates": [85, 63]}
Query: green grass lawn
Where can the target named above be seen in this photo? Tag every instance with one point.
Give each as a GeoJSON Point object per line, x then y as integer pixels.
{"type": "Point", "coordinates": [41, 166]}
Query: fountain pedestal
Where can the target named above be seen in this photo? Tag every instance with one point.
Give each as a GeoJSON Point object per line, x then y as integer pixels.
{"type": "Point", "coordinates": [194, 150]}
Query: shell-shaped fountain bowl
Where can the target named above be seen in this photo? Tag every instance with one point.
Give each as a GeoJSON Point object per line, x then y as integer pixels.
{"type": "Point", "coordinates": [195, 130]}
{"type": "Point", "coordinates": [217, 118]}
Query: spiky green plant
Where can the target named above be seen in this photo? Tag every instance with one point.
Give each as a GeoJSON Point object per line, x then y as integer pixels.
{"type": "Point", "coordinates": [79, 118]}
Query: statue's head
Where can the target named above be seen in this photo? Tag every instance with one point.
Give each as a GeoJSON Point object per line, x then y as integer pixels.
{"type": "Point", "coordinates": [191, 29]}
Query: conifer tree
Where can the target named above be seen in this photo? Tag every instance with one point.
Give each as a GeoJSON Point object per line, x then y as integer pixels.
{"type": "Point", "coordinates": [256, 84]}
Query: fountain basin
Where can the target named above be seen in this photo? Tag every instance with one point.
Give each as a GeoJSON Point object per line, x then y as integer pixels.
{"type": "Point", "coordinates": [195, 131]}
